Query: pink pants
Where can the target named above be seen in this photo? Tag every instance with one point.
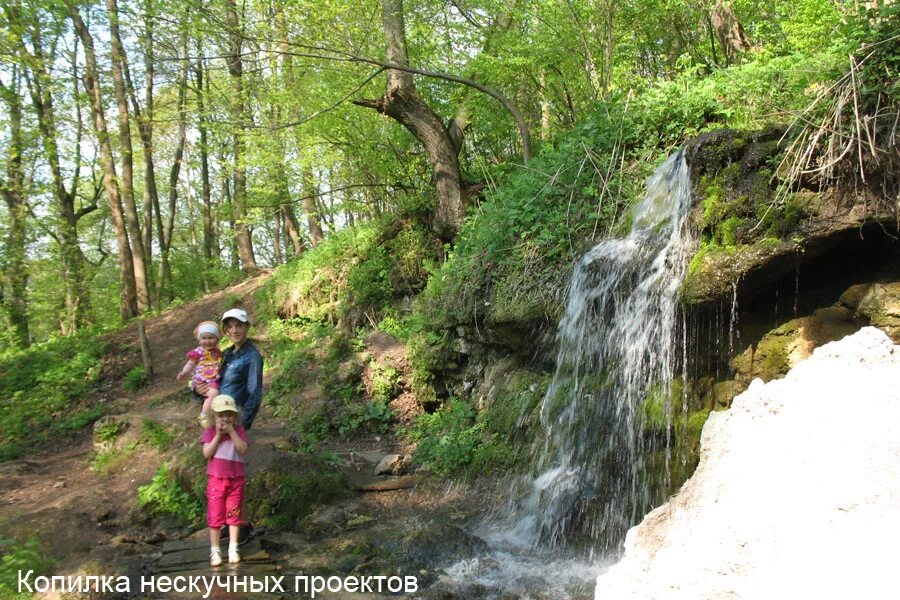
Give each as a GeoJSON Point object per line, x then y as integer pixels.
{"type": "Point", "coordinates": [224, 498]}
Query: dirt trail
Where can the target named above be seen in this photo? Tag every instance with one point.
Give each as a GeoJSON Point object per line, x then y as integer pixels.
{"type": "Point", "coordinates": [79, 514]}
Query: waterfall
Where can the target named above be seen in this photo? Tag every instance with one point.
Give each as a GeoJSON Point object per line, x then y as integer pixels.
{"type": "Point", "coordinates": [607, 414]}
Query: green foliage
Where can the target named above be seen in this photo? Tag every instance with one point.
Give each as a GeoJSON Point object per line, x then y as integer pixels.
{"type": "Point", "coordinates": [284, 494]}
{"type": "Point", "coordinates": [385, 382]}
{"type": "Point", "coordinates": [156, 435]}
{"type": "Point", "coordinates": [447, 439]}
{"type": "Point", "coordinates": [451, 440]}
{"type": "Point", "coordinates": [24, 557]}
{"type": "Point", "coordinates": [109, 431]}
{"type": "Point", "coordinates": [43, 391]}
{"type": "Point", "coordinates": [355, 272]}
{"type": "Point", "coordinates": [374, 414]}
{"type": "Point", "coordinates": [397, 326]}
{"type": "Point", "coordinates": [105, 461]}
{"type": "Point", "coordinates": [164, 496]}
{"type": "Point", "coordinates": [135, 379]}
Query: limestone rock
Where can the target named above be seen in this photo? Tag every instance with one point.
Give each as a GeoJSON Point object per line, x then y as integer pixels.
{"type": "Point", "coordinates": [108, 432]}
{"type": "Point", "coordinates": [394, 464]}
{"type": "Point", "coordinates": [797, 494]}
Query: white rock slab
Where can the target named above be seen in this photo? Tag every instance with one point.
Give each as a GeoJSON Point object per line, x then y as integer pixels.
{"type": "Point", "coordinates": [797, 494]}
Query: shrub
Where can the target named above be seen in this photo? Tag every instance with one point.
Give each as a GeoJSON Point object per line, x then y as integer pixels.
{"type": "Point", "coordinates": [164, 496]}
{"type": "Point", "coordinates": [135, 379]}
{"type": "Point", "coordinates": [156, 435]}
{"type": "Point", "coordinates": [447, 439]}
{"type": "Point", "coordinates": [355, 273]}
{"type": "Point", "coordinates": [286, 492]}
{"type": "Point", "coordinates": [15, 557]}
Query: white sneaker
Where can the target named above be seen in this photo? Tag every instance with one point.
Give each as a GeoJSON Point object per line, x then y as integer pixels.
{"type": "Point", "coordinates": [234, 556]}
{"type": "Point", "coordinates": [215, 557]}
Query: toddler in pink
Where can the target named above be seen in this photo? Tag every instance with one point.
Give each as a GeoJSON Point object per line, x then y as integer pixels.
{"type": "Point", "coordinates": [224, 445]}
{"type": "Point", "coordinates": [203, 363]}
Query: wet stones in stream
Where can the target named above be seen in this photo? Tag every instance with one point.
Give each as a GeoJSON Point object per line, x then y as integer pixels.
{"type": "Point", "coordinates": [404, 546]}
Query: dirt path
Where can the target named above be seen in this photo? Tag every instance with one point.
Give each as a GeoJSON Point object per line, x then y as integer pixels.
{"type": "Point", "coordinates": [85, 514]}
{"type": "Point", "coordinates": [79, 513]}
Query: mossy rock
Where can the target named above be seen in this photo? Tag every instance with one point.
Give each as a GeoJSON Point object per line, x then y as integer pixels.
{"type": "Point", "coordinates": [783, 347]}
{"type": "Point", "coordinates": [711, 152]}
{"type": "Point", "coordinates": [288, 489]}
{"type": "Point", "coordinates": [881, 306]}
{"type": "Point", "coordinates": [714, 271]}
{"type": "Point", "coordinates": [723, 392]}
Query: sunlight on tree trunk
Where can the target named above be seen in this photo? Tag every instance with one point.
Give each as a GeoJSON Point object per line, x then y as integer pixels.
{"type": "Point", "coordinates": [128, 306]}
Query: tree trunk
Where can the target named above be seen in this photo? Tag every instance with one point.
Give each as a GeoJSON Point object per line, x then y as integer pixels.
{"type": "Point", "coordinates": [292, 229]}
{"type": "Point", "coordinates": [237, 109]}
{"type": "Point", "coordinates": [310, 209]}
{"type": "Point", "coordinates": [209, 244]}
{"type": "Point", "coordinates": [166, 285]}
{"type": "Point", "coordinates": [145, 127]}
{"type": "Point", "coordinates": [276, 234]}
{"type": "Point", "coordinates": [729, 31]}
{"type": "Point", "coordinates": [77, 299]}
{"type": "Point", "coordinates": [128, 306]}
{"type": "Point", "coordinates": [15, 281]}
{"type": "Point", "coordinates": [402, 102]}
{"type": "Point", "coordinates": [132, 222]}
{"type": "Point", "coordinates": [291, 226]}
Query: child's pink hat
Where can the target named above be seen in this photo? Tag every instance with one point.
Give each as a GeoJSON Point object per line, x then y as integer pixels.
{"type": "Point", "coordinates": [207, 327]}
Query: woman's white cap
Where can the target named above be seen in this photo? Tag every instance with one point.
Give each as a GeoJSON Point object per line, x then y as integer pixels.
{"type": "Point", "coordinates": [236, 313]}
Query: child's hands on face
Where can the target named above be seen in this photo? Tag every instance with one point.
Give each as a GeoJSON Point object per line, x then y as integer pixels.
{"type": "Point", "coordinates": [225, 424]}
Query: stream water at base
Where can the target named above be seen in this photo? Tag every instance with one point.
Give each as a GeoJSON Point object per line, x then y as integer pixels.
{"type": "Point", "coordinates": [609, 414]}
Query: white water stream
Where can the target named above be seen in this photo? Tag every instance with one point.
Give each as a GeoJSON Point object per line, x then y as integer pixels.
{"type": "Point", "coordinates": [619, 346]}
{"type": "Point", "coordinates": [597, 470]}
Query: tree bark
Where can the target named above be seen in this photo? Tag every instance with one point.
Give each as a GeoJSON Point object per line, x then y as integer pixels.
{"type": "Point", "coordinates": [145, 129]}
{"type": "Point", "coordinates": [237, 109]}
{"type": "Point", "coordinates": [77, 298]}
{"type": "Point", "coordinates": [128, 306]}
{"type": "Point", "coordinates": [164, 231]}
{"type": "Point", "coordinates": [729, 31]}
{"type": "Point", "coordinates": [310, 209]}
{"type": "Point", "coordinates": [401, 101]}
{"type": "Point", "coordinates": [201, 81]}
{"type": "Point", "coordinates": [132, 222]}
{"type": "Point", "coordinates": [289, 218]}
{"type": "Point", "coordinates": [276, 241]}
{"type": "Point", "coordinates": [15, 277]}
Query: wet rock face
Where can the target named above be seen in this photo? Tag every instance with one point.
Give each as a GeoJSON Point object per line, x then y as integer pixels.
{"type": "Point", "coordinates": [749, 232]}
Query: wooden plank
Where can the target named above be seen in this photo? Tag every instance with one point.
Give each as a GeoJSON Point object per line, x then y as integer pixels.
{"type": "Point", "coordinates": [225, 570]}
{"type": "Point", "coordinates": [251, 551]}
{"type": "Point", "coordinates": [184, 545]}
{"type": "Point", "coordinates": [387, 485]}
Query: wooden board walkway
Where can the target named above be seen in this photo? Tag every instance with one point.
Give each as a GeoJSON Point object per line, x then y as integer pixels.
{"type": "Point", "coordinates": [190, 558]}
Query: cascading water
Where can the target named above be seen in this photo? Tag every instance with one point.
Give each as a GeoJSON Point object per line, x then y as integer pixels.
{"type": "Point", "coordinates": [607, 414]}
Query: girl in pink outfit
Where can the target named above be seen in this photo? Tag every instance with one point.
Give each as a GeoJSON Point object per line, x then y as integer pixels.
{"type": "Point", "coordinates": [224, 446]}
{"type": "Point", "coordinates": [203, 363]}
